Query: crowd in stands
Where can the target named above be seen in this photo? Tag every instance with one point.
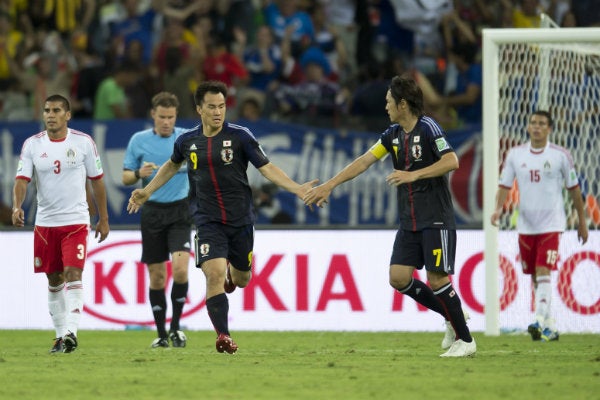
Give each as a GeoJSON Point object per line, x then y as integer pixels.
{"type": "Point", "coordinates": [321, 62]}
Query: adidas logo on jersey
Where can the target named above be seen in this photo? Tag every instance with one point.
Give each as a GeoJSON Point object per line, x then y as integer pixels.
{"type": "Point", "coordinates": [193, 147]}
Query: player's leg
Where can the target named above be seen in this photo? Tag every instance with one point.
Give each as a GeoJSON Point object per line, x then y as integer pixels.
{"type": "Point", "coordinates": [211, 256]}
{"type": "Point", "coordinates": [155, 253]}
{"type": "Point", "coordinates": [47, 259]}
{"type": "Point", "coordinates": [439, 249]}
{"type": "Point", "coordinates": [406, 255]}
{"type": "Point", "coordinates": [179, 246]}
{"type": "Point", "coordinates": [74, 250]}
{"type": "Point", "coordinates": [545, 263]}
{"type": "Point", "coordinates": [527, 251]}
{"type": "Point", "coordinates": [241, 244]}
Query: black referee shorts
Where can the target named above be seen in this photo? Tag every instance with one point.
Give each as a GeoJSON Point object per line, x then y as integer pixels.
{"type": "Point", "coordinates": [166, 228]}
{"type": "Point", "coordinates": [434, 249]}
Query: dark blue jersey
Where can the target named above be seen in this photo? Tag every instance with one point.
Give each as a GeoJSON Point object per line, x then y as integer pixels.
{"type": "Point", "coordinates": [425, 203]}
{"type": "Point", "coordinates": [219, 188]}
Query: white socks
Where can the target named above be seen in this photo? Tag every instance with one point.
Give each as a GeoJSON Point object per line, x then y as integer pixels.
{"type": "Point", "coordinates": [543, 295]}
{"type": "Point", "coordinates": [57, 308]}
{"type": "Point", "coordinates": [74, 306]}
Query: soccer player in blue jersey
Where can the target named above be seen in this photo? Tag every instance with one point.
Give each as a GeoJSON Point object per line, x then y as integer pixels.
{"type": "Point", "coordinates": [165, 220]}
{"type": "Point", "coordinates": [217, 153]}
{"type": "Point", "coordinates": [422, 158]}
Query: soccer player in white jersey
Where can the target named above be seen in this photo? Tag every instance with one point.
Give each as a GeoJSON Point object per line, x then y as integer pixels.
{"type": "Point", "coordinates": [542, 169]}
{"type": "Point", "coordinates": [61, 160]}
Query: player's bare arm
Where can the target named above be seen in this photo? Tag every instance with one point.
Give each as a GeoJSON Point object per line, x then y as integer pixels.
{"type": "Point", "coordinates": [448, 162]}
{"type": "Point", "coordinates": [501, 196]}
{"type": "Point", "coordinates": [320, 194]}
{"type": "Point", "coordinates": [582, 228]}
{"type": "Point", "coordinates": [19, 192]}
{"type": "Point", "coordinates": [281, 179]}
{"type": "Point", "coordinates": [139, 196]}
{"type": "Point", "coordinates": [99, 193]}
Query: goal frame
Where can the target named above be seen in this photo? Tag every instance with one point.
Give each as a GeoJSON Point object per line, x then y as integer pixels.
{"type": "Point", "coordinates": [492, 38]}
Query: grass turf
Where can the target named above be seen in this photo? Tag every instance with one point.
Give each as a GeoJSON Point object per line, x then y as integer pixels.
{"type": "Point", "coordinates": [298, 365]}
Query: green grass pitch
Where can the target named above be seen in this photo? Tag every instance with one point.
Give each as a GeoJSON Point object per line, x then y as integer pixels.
{"type": "Point", "coordinates": [298, 365]}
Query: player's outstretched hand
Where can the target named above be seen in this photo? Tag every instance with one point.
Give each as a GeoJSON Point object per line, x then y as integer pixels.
{"type": "Point", "coordinates": [317, 195]}
{"type": "Point", "coordinates": [304, 189]}
{"type": "Point", "coordinates": [137, 199]}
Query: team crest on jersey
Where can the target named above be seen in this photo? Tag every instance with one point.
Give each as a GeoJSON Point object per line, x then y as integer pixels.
{"type": "Point", "coordinates": [226, 143]}
{"type": "Point", "coordinates": [71, 157]}
{"type": "Point", "coordinates": [37, 262]}
{"type": "Point", "coordinates": [416, 151]}
{"type": "Point", "coordinates": [227, 155]}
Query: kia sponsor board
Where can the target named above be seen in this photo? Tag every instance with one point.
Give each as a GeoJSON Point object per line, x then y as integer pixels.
{"type": "Point", "coordinates": [307, 280]}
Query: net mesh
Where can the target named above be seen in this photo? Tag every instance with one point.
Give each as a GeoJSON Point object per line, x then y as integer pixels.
{"type": "Point", "coordinates": [563, 78]}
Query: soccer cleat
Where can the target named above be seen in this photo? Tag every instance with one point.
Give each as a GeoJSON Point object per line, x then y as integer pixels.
{"type": "Point", "coordinates": [549, 335]}
{"type": "Point", "coordinates": [535, 330]}
{"type": "Point", "coordinates": [57, 347]}
{"type": "Point", "coordinates": [450, 335]}
{"type": "Point", "coordinates": [69, 342]}
{"type": "Point", "coordinates": [228, 286]}
{"type": "Point", "coordinates": [160, 342]}
{"type": "Point", "coordinates": [178, 338]}
{"type": "Point", "coordinates": [225, 344]}
{"type": "Point", "coordinates": [461, 348]}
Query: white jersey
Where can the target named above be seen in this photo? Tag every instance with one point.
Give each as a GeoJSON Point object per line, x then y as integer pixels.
{"type": "Point", "coordinates": [60, 168]}
{"type": "Point", "coordinates": [541, 175]}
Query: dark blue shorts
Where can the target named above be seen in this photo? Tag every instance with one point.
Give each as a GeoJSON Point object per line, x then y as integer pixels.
{"type": "Point", "coordinates": [235, 243]}
{"type": "Point", "coordinates": [434, 249]}
{"type": "Point", "coordinates": [166, 228]}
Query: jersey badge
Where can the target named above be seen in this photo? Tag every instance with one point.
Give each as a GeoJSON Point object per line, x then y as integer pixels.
{"type": "Point", "coordinates": [226, 143]}
{"type": "Point", "coordinates": [416, 139]}
{"type": "Point", "coordinates": [37, 262]}
{"type": "Point", "coordinates": [71, 157]}
{"type": "Point", "coordinates": [416, 151]}
{"type": "Point", "coordinates": [204, 249]}
{"type": "Point", "coordinates": [441, 144]}
{"type": "Point", "coordinates": [227, 156]}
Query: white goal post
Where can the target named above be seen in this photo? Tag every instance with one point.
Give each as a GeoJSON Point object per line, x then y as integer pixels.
{"type": "Point", "coordinates": [547, 44]}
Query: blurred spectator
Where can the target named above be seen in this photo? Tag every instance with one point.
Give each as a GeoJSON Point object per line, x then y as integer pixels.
{"type": "Point", "coordinates": [367, 106]}
{"type": "Point", "coordinates": [69, 16]}
{"type": "Point", "coordinates": [263, 60]}
{"type": "Point", "coordinates": [145, 86]}
{"type": "Point", "coordinates": [222, 65]}
{"type": "Point", "coordinates": [111, 101]}
{"type": "Point", "coordinates": [315, 100]}
{"type": "Point", "coordinates": [86, 79]}
{"type": "Point", "coordinates": [328, 40]}
{"type": "Point", "coordinates": [526, 14]}
{"type": "Point", "coordinates": [229, 16]}
{"type": "Point", "coordinates": [341, 16]}
{"type": "Point", "coordinates": [14, 102]}
{"type": "Point", "coordinates": [464, 105]}
{"type": "Point", "coordinates": [251, 105]}
{"type": "Point", "coordinates": [10, 42]}
{"type": "Point", "coordinates": [587, 12]}
{"type": "Point", "coordinates": [284, 14]}
{"type": "Point", "coordinates": [179, 70]}
{"type": "Point", "coordinates": [136, 25]}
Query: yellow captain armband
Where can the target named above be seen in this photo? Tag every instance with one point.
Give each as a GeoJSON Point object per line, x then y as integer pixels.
{"type": "Point", "coordinates": [378, 150]}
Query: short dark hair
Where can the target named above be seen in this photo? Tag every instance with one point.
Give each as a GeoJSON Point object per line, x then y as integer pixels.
{"type": "Point", "coordinates": [405, 87]}
{"type": "Point", "coordinates": [165, 99]}
{"type": "Point", "coordinates": [59, 99]}
{"type": "Point", "coordinates": [544, 113]}
{"type": "Point", "coordinates": [209, 87]}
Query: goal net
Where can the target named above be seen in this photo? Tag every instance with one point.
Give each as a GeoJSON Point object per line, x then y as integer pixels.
{"type": "Point", "coordinates": [542, 69]}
